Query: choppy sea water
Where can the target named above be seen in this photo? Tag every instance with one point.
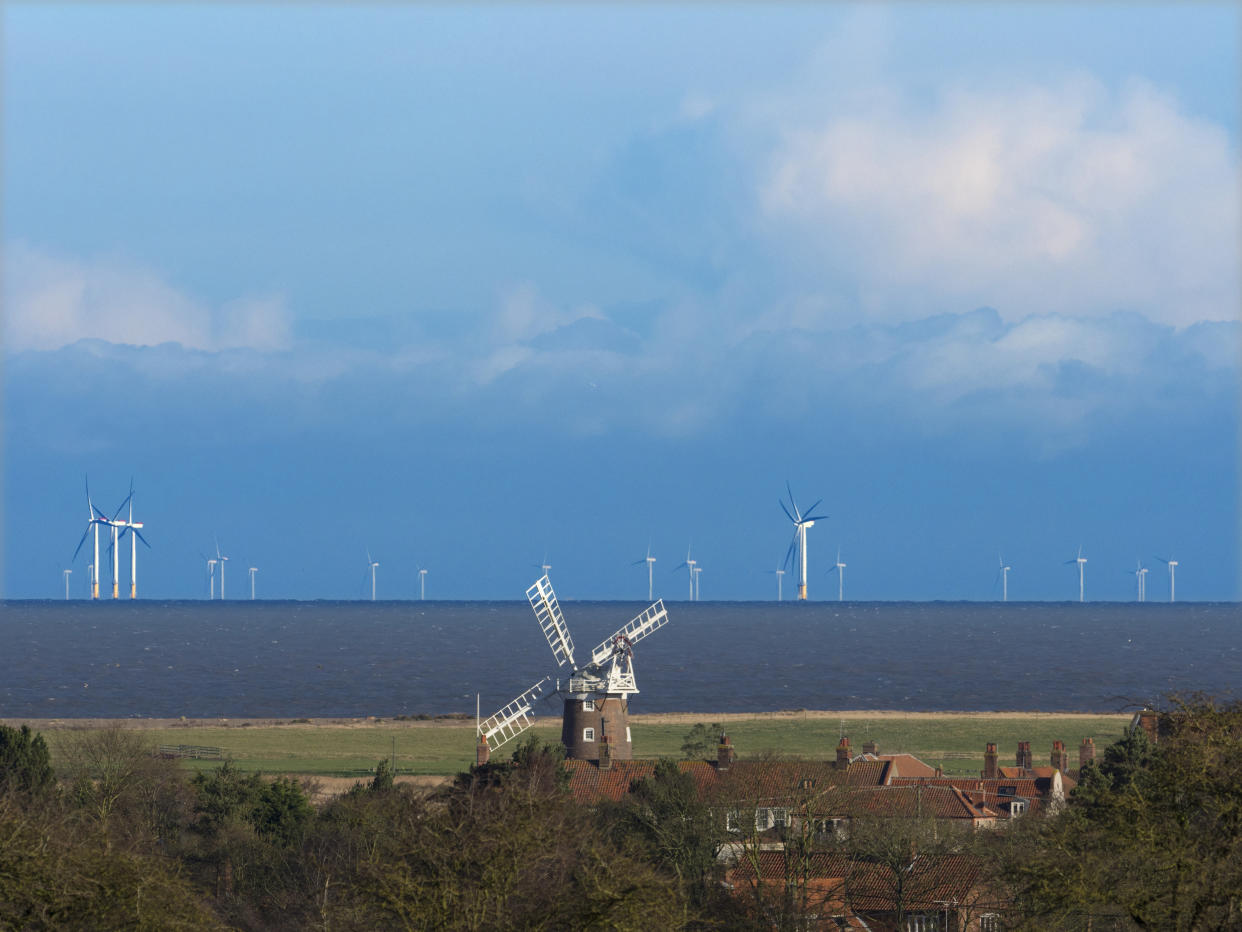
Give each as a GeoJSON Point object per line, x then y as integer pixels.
{"type": "Point", "coordinates": [326, 659]}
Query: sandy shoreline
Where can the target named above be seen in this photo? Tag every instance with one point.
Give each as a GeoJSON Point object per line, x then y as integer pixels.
{"type": "Point", "coordinates": [654, 718]}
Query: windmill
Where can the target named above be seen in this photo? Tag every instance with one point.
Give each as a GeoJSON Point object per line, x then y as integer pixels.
{"type": "Point", "coordinates": [650, 561]}
{"type": "Point", "coordinates": [545, 565]}
{"type": "Point", "coordinates": [801, 521]}
{"type": "Point", "coordinates": [596, 713]}
{"type": "Point", "coordinates": [95, 517]}
{"type": "Point", "coordinates": [114, 553]}
{"type": "Point", "coordinates": [1172, 565]}
{"type": "Point", "coordinates": [211, 576]}
{"type": "Point", "coordinates": [839, 569]}
{"type": "Point", "coordinates": [371, 565]}
{"type": "Point", "coordinates": [253, 570]}
{"type": "Point", "coordinates": [1080, 560]}
{"type": "Point", "coordinates": [688, 565]}
{"type": "Point", "coordinates": [1002, 573]}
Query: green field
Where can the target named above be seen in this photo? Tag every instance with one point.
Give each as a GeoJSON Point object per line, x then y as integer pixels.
{"type": "Point", "coordinates": [954, 742]}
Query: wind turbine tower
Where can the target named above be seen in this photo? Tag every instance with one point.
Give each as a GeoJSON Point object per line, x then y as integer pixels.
{"type": "Point", "coordinates": [131, 527]}
{"type": "Point", "coordinates": [839, 569]}
{"type": "Point", "coordinates": [688, 566]}
{"type": "Point", "coordinates": [222, 559]}
{"type": "Point", "coordinates": [1081, 561]}
{"type": "Point", "coordinates": [698, 570]}
{"type": "Point", "coordinates": [1004, 575]}
{"type": "Point", "coordinates": [67, 572]}
{"type": "Point", "coordinates": [422, 585]}
{"type": "Point", "coordinates": [372, 564]}
{"type": "Point", "coordinates": [94, 517]}
{"type": "Point", "coordinates": [779, 580]}
{"type": "Point", "coordinates": [1172, 565]}
{"type": "Point", "coordinates": [650, 561]}
{"type": "Point", "coordinates": [801, 521]}
{"type": "Point", "coordinates": [253, 570]}
{"type": "Point", "coordinates": [211, 579]}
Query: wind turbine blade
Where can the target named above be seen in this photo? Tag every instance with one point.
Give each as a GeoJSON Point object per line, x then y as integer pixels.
{"type": "Point", "coordinates": [818, 502]}
{"type": "Point", "coordinates": [123, 504]}
{"type": "Point", "coordinates": [787, 514]}
{"type": "Point", "coordinates": [810, 517]}
{"type": "Point", "coordinates": [85, 534]}
{"type": "Point", "coordinates": [789, 553]}
{"type": "Point", "coordinates": [637, 562]}
{"type": "Point", "coordinates": [138, 534]}
{"type": "Point", "coordinates": [789, 489]}
{"type": "Point", "coordinates": [217, 540]}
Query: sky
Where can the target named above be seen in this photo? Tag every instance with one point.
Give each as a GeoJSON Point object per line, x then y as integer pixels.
{"type": "Point", "coordinates": [474, 288]}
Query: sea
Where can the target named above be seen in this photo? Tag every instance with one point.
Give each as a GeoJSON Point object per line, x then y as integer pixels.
{"type": "Point", "coordinates": [270, 659]}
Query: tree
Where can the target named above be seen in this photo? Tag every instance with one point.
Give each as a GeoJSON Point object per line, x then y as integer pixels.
{"type": "Point", "coordinates": [700, 741]}
{"type": "Point", "coordinates": [1151, 837]}
{"type": "Point", "coordinates": [25, 764]}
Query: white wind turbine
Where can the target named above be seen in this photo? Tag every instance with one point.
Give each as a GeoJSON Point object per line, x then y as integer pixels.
{"type": "Point", "coordinates": [422, 584]}
{"type": "Point", "coordinates": [1140, 580]}
{"type": "Point", "coordinates": [371, 564]}
{"type": "Point", "coordinates": [131, 527]}
{"type": "Point", "coordinates": [688, 566]}
{"type": "Point", "coordinates": [698, 571]}
{"type": "Point", "coordinates": [253, 570]}
{"type": "Point", "coordinates": [650, 561]}
{"type": "Point", "coordinates": [1172, 565]}
{"type": "Point", "coordinates": [67, 572]}
{"type": "Point", "coordinates": [778, 573]}
{"type": "Point", "coordinates": [1080, 560]}
{"type": "Point", "coordinates": [1003, 573]}
{"type": "Point", "coordinates": [222, 560]}
{"type": "Point", "coordinates": [839, 569]}
{"type": "Point", "coordinates": [95, 517]}
{"type": "Point", "coordinates": [211, 577]}
{"type": "Point", "coordinates": [801, 521]}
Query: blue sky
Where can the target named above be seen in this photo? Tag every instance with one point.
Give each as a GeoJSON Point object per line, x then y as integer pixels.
{"type": "Point", "coordinates": [468, 286]}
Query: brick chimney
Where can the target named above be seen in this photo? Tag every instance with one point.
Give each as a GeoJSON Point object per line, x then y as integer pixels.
{"type": "Point", "coordinates": [605, 752]}
{"type": "Point", "coordinates": [1024, 761]}
{"type": "Point", "coordinates": [1149, 721]}
{"type": "Point", "coordinates": [1086, 752]}
{"type": "Point", "coordinates": [1060, 759]}
{"type": "Point", "coordinates": [724, 754]}
{"type": "Point", "coordinates": [843, 753]}
{"type": "Point", "coordinates": [871, 748]}
{"type": "Point", "coordinates": [989, 762]}
{"type": "Point", "coordinates": [482, 752]}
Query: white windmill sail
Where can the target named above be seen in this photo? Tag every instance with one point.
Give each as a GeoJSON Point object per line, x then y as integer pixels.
{"type": "Point", "coordinates": [513, 719]}
{"type": "Point", "coordinates": [548, 612]}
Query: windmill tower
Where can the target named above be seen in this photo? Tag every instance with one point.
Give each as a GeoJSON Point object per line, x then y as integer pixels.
{"type": "Point", "coordinates": [596, 701]}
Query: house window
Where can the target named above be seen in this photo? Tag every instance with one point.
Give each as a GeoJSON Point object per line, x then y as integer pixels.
{"type": "Point", "coordinates": [806, 783]}
{"type": "Point", "coordinates": [588, 734]}
{"type": "Point", "coordinates": [731, 822]}
{"type": "Point", "coordinates": [989, 922]}
{"type": "Point", "coordinates": [925, 923]}
{"type": "Point", "coordinates": [1016, 808]}
{"type": "Point", "coordinates": [588, 705]}
{"type": "Point", "coordinates": [771, 818]}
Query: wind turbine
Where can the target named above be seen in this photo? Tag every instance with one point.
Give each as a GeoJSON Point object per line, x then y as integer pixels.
{"type": "Point", "coordinates": [1080, 560]}
{"type": "Point", "coordinates": [211, 577]}
{"type": "Point", "coordinates": [253, 570]}
{"type": "Point", "coordinates": [778, 573]}
{"type": "Point", "coordinates": [222, 559]}
{"type": "Point", "coordinates": [127, 527]}
{"type": "Point", "coordinates": [1140, 580]}
{"type": "Point", "coordinates": [839, 569]}
{"type": "Point", "coordinates": [422, 584]}
{"type": "Point", "coordinates": [698, 571]}
{"type": "Point", "coordinates": [1003, 573]}
{"type": "Point", "coordinates": [95, 517]}
{"type": "Point", "coordinates": [801, 521]}
{"type": "Point", "coordinates": [688, 566]}
{"type": "Point", "coordinates": [650, 561]}
{"type": "Point", "coordinates": [1172, 565]}
{"type": "Point", "coordinates": [372, 564]}
{"type": "Point", "coordinates": [67, 572]}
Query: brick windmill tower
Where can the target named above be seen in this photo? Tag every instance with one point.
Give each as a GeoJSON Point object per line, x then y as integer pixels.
{"type": "Point", "coordinates": [596, 703]}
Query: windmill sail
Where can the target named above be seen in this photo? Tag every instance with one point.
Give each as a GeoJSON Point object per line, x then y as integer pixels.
{"type": "Point", "coordinates": [513, 719]}
{"type": "Point", "coordinates": [654, 618]}
{"type": "Point", "coordinates": [548, 612]}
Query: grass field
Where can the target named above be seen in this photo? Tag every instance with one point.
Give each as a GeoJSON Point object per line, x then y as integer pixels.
{"type": "Point", "coordinates": [346, 748]}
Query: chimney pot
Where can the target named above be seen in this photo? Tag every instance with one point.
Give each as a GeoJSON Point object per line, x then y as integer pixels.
{"type": "Point", "coordinates": [724, 753]}
{"type": "Point", "coordinates": [482, 753]}
{"type": "Point", "coordinates": [990, 771]}
{"type": "Point", "coordinates": [843, 752]}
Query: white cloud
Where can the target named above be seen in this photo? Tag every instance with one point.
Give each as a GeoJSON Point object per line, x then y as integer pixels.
{"type": "Point", "coordinates": [52, 301]}
{"type": "Point", "coordinates": [1043, 199]}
